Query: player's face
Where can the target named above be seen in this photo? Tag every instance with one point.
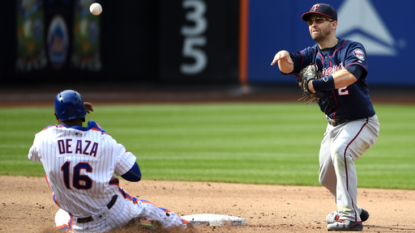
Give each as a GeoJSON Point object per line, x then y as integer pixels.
{"type": "Point", "coordinates": [320, 27]}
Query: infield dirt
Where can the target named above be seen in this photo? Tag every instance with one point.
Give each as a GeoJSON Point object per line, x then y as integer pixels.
{"type": "Point", "coordinates": [26, 205]}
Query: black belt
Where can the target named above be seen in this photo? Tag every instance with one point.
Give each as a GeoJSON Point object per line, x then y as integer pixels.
{"type": "Point", "coordinates": [336, 122]}
{"type": "Point", "coordinates": [90, 219]}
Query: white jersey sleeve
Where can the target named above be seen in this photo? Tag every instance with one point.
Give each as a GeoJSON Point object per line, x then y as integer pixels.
{"type": "Point", "coordinates": [33, 153]}
{"type": "Point", "coordinates": [125, 161]}
{"type": "Point", "coordinates": [34, 150]}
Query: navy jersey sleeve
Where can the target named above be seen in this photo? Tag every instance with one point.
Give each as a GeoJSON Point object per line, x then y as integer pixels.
{"type": "Point", "coordinates": [356, 56]}
{"type": "Point", "coordinates": [357, 71]}
{"type": "Point", "coordinates": [302, 59]}
{"type": "Point", "coordinates": [133, 175]}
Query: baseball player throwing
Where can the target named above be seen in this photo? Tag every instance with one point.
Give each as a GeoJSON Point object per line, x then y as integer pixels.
{"type": "Point", "coordinates": [341, 89]}
{"type": "Point", "coordinates": [79, 163]}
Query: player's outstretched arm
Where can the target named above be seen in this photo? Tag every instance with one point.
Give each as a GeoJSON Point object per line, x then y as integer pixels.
{"type": "Point", "coordinates": [88, 107]}
{"type": "Point", "coordinates": [285, 63]}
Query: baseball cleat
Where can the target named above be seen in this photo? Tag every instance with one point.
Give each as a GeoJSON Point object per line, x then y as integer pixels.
{"type": "Point", "coordinates": [334, 216]}
{"type": "Point", "coordinates": [345, 225]}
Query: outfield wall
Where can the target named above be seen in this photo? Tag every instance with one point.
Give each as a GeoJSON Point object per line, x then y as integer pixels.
{"type": "Point", "coordinates": [188, 41]}
{"type": "Point", "coordinates": [158, 41]}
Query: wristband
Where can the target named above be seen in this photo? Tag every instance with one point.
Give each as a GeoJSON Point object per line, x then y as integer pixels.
{"type": "Point", "coordinates": [324, 84]}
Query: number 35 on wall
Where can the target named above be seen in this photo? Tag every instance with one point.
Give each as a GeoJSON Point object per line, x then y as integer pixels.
{"type": "Point", "coordinates": [193, 37]}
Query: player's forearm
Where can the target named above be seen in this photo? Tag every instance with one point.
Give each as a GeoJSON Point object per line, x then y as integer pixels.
{"type": "Point", "coordinates": [339, 79]}
{"type": "Point", "coordinates": [343, 78]}
{"type": "Point", "coordinates": [285, 67]}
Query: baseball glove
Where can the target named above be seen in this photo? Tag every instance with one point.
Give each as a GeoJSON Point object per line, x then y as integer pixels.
{"type": "Point", "coordinates": [306, 75]}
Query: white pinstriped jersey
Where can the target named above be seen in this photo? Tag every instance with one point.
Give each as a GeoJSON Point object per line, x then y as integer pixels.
{"type": "Point", "coordinates": [79, 163]}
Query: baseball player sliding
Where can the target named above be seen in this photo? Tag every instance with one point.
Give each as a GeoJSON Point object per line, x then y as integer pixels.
{"type": "Point", "coordinates": [79, 163]}
{"type": "Point", "coordinates": [337, 80]}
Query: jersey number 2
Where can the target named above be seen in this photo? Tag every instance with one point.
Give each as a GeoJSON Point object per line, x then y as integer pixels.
{"type": "Point", "coordinates": [343, 91]}
{"type": "Point", "coordinates": [79, 181]}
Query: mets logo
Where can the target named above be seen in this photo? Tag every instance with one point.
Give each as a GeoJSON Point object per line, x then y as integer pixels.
{"type": "Point", "coordinates": [315, 7]}
{"type": "Point", "coordinates": [58, 42]}
{"type": "Point", "coordinates": [359, 54]}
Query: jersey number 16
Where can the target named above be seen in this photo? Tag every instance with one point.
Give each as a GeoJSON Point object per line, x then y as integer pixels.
{"type": "Point", "coordinates": [79, 181]}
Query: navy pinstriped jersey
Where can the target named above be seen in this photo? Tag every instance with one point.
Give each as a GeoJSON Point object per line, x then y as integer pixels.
{"type": "Point", "coordinates": [351, 102]}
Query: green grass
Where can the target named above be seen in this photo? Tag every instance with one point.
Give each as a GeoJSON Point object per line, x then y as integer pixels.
{"type": "Point", "coordinates": [259, 143]}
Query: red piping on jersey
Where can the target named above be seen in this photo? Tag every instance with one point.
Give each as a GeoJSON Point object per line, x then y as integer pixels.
{"type": "Point", "coordinates": [332, 55]}
{"type": "Point", "coordinates": [329, 105]}
{"type": "Point", "coordinates": [301, 67]}
{"type": "Point", "coordinates": [355, 213]}
{"type": "Point", "coordinates": [302, 60]}
{"type": "Point", "coordinates": [322, 60]}
{"type": "Point", "coordinates": [353, 63]}
{"type": "Point", "coordinates": [337, 49]}
{"type": "Point", "coordinates": [335, 100]}
{"type": "Point", "coordinates": [345, 162]}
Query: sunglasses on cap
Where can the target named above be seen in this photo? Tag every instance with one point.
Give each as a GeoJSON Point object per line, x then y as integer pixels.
{"type": "Point", "coordinates": [318, 21]}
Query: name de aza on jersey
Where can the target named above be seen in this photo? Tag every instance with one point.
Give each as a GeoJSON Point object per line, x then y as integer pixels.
{"type": "Point", "coordinates": [80, 147]}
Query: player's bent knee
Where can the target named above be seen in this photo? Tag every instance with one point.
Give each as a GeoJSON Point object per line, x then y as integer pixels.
{"type": "Point", "coordinates": [338, 155]}
{"type": "Point", "coordinates": [326, 181]}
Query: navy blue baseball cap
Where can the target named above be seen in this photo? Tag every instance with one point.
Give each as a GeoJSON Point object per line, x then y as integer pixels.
{"type": "Point", "coordinates": [322, 9]}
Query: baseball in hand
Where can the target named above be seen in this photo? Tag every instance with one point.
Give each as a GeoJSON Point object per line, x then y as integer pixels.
{"type": "Point", "coordinates": [95, 8]}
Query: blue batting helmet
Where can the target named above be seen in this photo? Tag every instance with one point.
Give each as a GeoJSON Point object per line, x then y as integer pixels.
{"type": "Point", "coordinates": [69, 105]}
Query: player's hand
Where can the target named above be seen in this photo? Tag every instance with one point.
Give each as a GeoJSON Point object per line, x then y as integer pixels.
{"type": "Point", "coordinates": [88, 107]}
{"type": "Point", "coordinates": [283, 54]}
{"type": "Point", "coordinates": [310, 86]}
